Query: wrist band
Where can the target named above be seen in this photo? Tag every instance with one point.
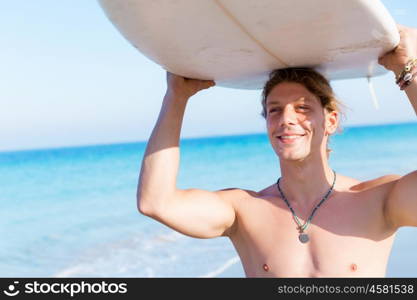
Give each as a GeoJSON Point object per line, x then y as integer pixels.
{"type": "Point", "coordinates": [407, 75]}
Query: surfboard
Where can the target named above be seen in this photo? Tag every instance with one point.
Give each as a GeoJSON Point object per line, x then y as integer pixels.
{"type": "Point", "coordinates": [238, 43]}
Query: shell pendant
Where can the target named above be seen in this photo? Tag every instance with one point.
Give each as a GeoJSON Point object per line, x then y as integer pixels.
{"type": "Point", "coordinates": [303, 237]}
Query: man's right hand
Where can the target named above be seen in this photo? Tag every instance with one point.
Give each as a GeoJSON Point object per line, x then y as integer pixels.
{"type": "Point", "coordinates": [184, 88]}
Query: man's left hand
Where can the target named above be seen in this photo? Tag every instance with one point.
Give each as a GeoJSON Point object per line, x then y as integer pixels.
{"type": "Point", "coordinates": [396, 59]}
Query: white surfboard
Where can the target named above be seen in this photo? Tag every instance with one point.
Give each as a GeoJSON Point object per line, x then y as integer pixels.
{"type": "Point", "coordinates": [238, 42]}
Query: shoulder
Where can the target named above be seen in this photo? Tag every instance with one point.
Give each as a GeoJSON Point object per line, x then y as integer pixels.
{"type": "Point", "coordinates": [268, 191]}
{"type": "Point", "coordinates": [355, 185]}
{"type": "Point", "coordinates": [236, 194]}
{"type": "Point", "coordinates": [345, 183]}
{"type": "Point", "coordinates": [383, 183]}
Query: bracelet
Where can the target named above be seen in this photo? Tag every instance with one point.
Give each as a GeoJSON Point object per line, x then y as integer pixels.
{"type": "Point", "coordinates": [407, 75]}
{"type": "Point", "coordinates": [408, 78]}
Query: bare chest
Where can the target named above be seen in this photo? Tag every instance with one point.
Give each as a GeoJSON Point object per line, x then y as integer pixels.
{"type": "Point", "coordinates": [347, 237]}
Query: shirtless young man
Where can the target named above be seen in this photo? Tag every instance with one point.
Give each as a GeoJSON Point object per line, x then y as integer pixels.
{"type": "Point", "coordinates": [351, 233]}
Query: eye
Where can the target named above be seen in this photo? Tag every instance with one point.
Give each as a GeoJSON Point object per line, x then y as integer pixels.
{"type": "Point", "coordinates": [303, 107]}
{"type": "Point", "coordinates": [274, 110]}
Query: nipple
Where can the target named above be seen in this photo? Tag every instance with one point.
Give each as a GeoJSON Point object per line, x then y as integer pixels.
{"type": "Point", "coordinates": [265, 267]}
{"type": "Point", "coordinates": [353, 267]}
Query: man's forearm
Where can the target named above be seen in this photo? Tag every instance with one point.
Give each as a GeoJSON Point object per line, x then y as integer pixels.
{"type": "Point", "coordinates": [157, 179]}
{"type": "Point", "coordinates": [411, 92]}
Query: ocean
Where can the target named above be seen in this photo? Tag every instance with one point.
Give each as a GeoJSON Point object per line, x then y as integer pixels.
{"type": "Point", "coordinates": [71, 212]}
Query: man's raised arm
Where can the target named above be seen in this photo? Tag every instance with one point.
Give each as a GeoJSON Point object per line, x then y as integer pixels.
{"type": "Point", "coordinates": [193, 212]}
{"type": "Point", "coordinates": [401, 204]}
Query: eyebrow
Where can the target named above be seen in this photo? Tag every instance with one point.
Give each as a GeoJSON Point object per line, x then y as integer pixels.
{"type": "Point", "coordinates": [300, 99]}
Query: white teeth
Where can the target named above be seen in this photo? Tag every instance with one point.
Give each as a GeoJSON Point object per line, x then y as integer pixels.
{"type": "Point", "coordinates": [291, 137]}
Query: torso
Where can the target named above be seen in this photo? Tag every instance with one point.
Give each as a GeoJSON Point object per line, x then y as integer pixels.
{"type": "Point", "coordinates": [349, 235]}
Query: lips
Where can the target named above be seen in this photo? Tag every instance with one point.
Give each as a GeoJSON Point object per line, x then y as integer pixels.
{"type": "Point", "coordinates": [289, 138]}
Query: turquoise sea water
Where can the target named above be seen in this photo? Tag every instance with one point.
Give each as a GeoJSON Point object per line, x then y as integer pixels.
{"type": "Point", "coordinates": [71, 212]}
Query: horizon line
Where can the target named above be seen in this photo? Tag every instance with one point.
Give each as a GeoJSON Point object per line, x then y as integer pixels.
{"type": "Point", "coordinates": [46, 148]}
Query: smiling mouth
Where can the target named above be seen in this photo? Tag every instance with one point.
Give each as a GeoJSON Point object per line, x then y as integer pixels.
{"type": "Point", "coordinates": [289, 139]}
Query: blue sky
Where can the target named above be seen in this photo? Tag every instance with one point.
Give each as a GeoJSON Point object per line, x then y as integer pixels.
{"type": "Point", "coordinates": [69, 78]}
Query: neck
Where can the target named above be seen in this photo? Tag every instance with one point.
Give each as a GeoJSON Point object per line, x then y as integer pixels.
{"type": "Point", "coordinates": [306, 182]}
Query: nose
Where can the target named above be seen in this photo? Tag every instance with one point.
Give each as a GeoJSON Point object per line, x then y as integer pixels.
{"type": "Point", "coordinates": [288, 116]}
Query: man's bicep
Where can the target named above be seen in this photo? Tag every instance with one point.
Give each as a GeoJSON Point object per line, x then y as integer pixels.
{"type": "Point", "coordinates": [200, 213]}
{"type": "Point", "coordinates": [401, 206]}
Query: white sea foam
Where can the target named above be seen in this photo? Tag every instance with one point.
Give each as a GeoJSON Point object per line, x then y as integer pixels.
{"type": "Point", "coordinates": [70, 272]}
{"type": "Point", "coordinates": [223, 267]}
{"type": "Point", "coordinates": [168, 237]}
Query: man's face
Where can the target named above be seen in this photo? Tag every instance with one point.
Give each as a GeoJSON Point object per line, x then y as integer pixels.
{"type": "Point", "coordinates": [296, 121]}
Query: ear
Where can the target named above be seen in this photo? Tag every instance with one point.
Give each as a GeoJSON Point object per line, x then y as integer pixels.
{"type": "Point", "coordinates": [332, 122]}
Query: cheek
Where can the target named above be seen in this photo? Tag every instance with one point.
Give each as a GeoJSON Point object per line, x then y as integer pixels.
{"type": "Point", "coordinates": [308, 126]}
{"type": "Point", "coordinates": [314, 129]}
{"type": "Point", "coordinates": [269, 124]}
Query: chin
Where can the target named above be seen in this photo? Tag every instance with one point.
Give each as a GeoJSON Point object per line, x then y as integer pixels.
{"type": "Point", "coordinates": [293, 156]}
